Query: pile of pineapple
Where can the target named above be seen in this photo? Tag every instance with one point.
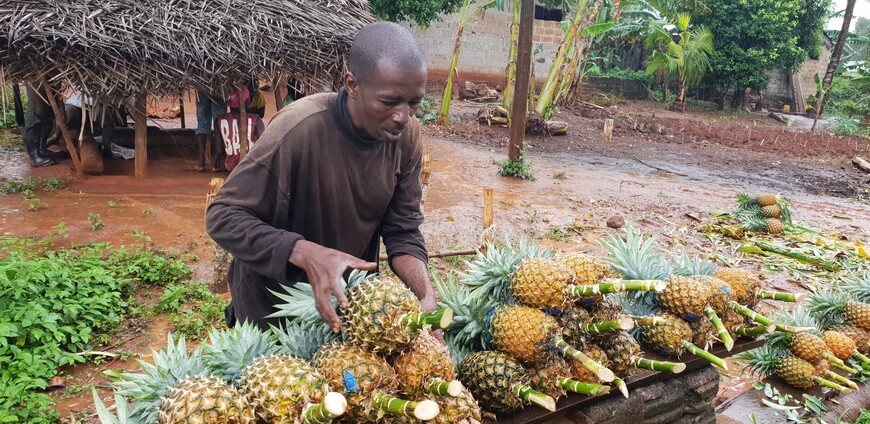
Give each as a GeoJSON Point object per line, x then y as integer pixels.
{"type": "Point", "coordinates": [767, 213]}
{"type": "Point", "coordinates": [522, 327]}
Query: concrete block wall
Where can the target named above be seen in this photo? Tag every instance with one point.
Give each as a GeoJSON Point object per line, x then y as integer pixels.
{"type": "Point", "coordinates": [485, 45]}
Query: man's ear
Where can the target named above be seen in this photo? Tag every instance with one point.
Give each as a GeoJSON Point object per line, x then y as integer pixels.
{"type": "Point", "coordinates": [351, 84]}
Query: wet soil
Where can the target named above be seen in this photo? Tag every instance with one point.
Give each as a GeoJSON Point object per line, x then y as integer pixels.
{"type": "Point", "coordinates": [663, 174]}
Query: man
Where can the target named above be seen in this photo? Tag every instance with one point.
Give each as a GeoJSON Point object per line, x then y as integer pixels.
{"type": "Point", "coordinates": [208, 107]}
{"type": "Point", "coordinates": [332, 174]}
{"type": "Point", "coordinates": [38, 121]}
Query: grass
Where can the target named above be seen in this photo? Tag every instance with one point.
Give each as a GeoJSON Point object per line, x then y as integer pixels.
{"type": "Point", "coordinates": [520, 168]}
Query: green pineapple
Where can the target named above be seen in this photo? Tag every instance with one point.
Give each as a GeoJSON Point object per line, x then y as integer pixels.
{"type": "Point", "coordinates": [500, 383]}
{"type": "Point", "coordinates": [174, 366]}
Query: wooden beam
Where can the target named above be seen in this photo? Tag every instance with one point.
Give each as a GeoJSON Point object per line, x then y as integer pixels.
{"type": "Point", "coordinates": [140, 120]}
{"type": "Point", "coordinates": [276, 90]}
{"type": "Point", "coordinates": [181, 108]}
{"type": "Point", "coordinates": [520, 105]}
{"type": "Point", "coordinates": [487, 208]}
{"type": "Point", "coordinates": [60, 121]}
{"type": "Point", "coordinates": [243, 123]}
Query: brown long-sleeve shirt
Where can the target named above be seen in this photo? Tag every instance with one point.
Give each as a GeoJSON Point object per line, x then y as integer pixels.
{"type": "Point", "coordinates": [311, 176]}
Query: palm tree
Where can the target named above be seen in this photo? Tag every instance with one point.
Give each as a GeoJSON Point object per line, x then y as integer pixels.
{"type": "Point", "coordinates": [836, 54]}
{"type": "Point", "coordinates": [688, 58]}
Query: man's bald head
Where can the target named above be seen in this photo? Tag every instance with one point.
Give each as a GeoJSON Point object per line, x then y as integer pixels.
{"type": "Point", "coordinates": [383, 42]}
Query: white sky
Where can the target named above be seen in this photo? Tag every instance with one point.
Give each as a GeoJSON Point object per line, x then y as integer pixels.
{"type": "Point", "coordinates": [862, 8]}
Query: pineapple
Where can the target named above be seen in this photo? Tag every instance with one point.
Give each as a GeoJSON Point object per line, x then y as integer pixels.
{"type": "Point", "coordinates": [742, 284]}
{"type": "Point", "coordinates": [588, 270]}
{"type": "Point", "coordinates": [500, 383]}
{"type": "Point", "coordinates": [766, 199]}
{"type": "Point", "coordinates": [685, 297]}
{"type": "Point", "coordinates": [772, 211]}
{"type": "Point", "coordinates": [470, 315]}
{"type": "Point", "coordinates": [541, 283]}
{"type": "Point", "coordinates": [383, 315]}
{"type": "Point", "coordinates": [796, 372]}
{"type": "Point", "coordinates": [156, 400]}
{"type": "Point", "coordinates": [840, 344]}
{"type": "Point", "coordinates": [556, 376]}
{"type": "Point", "coordinates": [624, 354]}
{"type": "Point", "coordinates": [576, 324]}
{"type": "Point", "coordinates": [703, 333]}
{"type": "Point", "coordinates": [358, 374]}
{"type": "Point", "coordinates": [185, 401]}
{"type": "Point", "coordinates": [425, 366]}
{"type": "Point", "coordinates": [832, 308]}
{"type": "Point", "coordinates": [278, 386]}
{"type": "Point", "coordinates": [580, 373]}
{"type": "Point", "coordinates": [488, 275]}
{"type": "Point", "coordinates": [606, 309]}
{"type": "Point", "coordinates": [859, 335]}
{"type": "Point", "coordinates": [457, 409]}
{"type": "Point", "coordinates": [673, 337]}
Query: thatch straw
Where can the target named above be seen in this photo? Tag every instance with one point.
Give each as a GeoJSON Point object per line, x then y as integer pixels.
{"type": "Point", "coordinates": [111, 49]}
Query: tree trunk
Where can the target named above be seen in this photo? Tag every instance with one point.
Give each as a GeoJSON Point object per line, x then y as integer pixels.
{"type": "Point", "coordinates": [507, 102]}
{"type": "Point", "coordinates": [838, 52]}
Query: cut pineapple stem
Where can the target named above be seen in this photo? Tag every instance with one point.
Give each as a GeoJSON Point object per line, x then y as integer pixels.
{"type": "Point", "coordinates": [622, 324]}
{"type": "Point", "coordinates": [831, 385]}
{"type": "Point", "coordinates": [423, 410]}
{"type": "Point", "coordinates": [440, 387]}
{"type": "Point", "coordinates": [793, 329]}
{"type": "Point", "coordinates": [615, 286]}
{"type": "Point", "coordinates": [620, 384]}
{"type": "Point", "coordinates": [838, 363]}
{"type": "Point", "coordinates": [533, 396]}
{"type": "Point", "coordinates": [439, 319]}
{"type": "Point", "coordinates": [661, 366]}
{"type": "Point", "coordinates": [334, 405]}
{"type": "Point", "coordinates": [589, 389]}
{"type": "Point", "coordinates": [781, 296]}
{"type": "Point", "coordinates": [647, 321]}
{"type": "Point", "coordinates": [724, 337]}
{"type": "Point", "coordinates": [749, 313]}
{"type": "Point", "coordinates": [842, 380]}
{"type": "Point", "coordinates": [569, 351]}
{"type": "Point", "coordinates": [753, 331]}
{"type": "Point", "coordinates": [709, 357]}
{"type": "Point", "coordinates": [863, 359]}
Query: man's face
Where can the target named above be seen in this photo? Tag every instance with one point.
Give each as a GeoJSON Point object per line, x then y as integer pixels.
{"type": "Point", "coordinates": [381, 108]}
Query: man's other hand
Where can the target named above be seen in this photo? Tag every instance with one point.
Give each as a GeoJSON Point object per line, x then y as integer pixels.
{"type": "Point", "coordinates": [324, 267]}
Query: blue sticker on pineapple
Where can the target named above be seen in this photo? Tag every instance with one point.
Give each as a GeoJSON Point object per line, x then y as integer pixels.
{"type": "Point", "coordinates": [348, 380]}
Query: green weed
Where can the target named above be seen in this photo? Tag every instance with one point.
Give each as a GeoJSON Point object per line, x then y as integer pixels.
{"type": "Point", "coordinates": [96, 221]}
{"type": "Point", "coordinates": [518, 169]}
{"type": "Point", "coordinates": [193, 308]}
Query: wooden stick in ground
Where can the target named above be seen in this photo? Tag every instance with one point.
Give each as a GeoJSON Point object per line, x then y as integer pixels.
{"type": "Point", "coordinates": [488, 217]}
{"type": "Point", "coordinates": [243, 123]}
{"type": "Point", "coordinates": [60, 121]}
{"type": "Point", "coordinates": [181, 110]}
{"type": "Point", "coordinates": [140, 120]}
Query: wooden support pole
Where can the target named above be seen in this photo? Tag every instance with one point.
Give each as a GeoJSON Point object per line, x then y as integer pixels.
{"type": "Point", "coordinates": [519, 108]}
{"type": "Point", "coordinates": [60, 121]}
{"type": "Point", "coordinates": [487, 208]}
{"type": "Point", "coordinates": [140, 120]}
{"type": "Point", "coordinates": [276, 89]}
{"type": "Point", "coordinates": [181, 109]}
{"type": "Point", "coordinates": [243, 123]}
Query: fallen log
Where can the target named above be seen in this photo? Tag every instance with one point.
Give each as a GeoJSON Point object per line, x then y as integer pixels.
{"type": "Point", "coordinates": [861, 163]}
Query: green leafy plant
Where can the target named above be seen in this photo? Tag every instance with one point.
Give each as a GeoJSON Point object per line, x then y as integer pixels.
{"type": "Point", "coordinates": [193, 308]}
{"type": "Point", "coordinates": [520, 168]}
{"type": "Point", "coordinates": [96, 221]}
{"type": "Point", "coordinates": [32, 185]}
{"type": "Point", "coordinates": [426, 113]}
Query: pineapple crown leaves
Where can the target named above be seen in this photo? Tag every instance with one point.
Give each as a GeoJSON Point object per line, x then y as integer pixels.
{"type": "Point", "coordinates": [171, 364]}
{"type": "Point", "coordinates": [858, 286]}
{"type": "Point", "coordinates": [685, 265]}
{"type": "Point", "coordinates": [299, 298]}
{"type": "Point", "coordinates": [636, 257]}
{"type": "Point", "coordinates": [122, 415]}
{"type": "Point", "coordinates": [826, 306]}
{"type": "Point", "coordinates": [458, 350]}
{"type": "Point", "coordinates": [231, 350]}
{"type": "Point", "coordinates": [762, 360]}
{"type": "Point", "coordinates": [799, 317]}
{"type": "Point", "coordinates": [488, 275]}
{"type": "Point", "coordinates": [746, 202]}
{"type": "Point", "coordinates": [751, 220]}
{"type": "Point", "coordinates": [469, 314]}
{"type": "Point", "coordinates": [784, 210]}
{"type": "Point", "coordinates": [637, 306]}
{"type": "Point", "coordinates": [302, 338]}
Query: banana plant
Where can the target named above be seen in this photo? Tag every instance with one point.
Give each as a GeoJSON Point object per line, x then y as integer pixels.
{"type": "Point", "coordinates": [511, 71]}
{"type": "Point", "coordinates": [469, 9]}
{"type": "Point", "coordinates": [688, 58]}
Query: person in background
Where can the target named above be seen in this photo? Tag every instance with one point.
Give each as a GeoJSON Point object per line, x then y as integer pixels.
{"type": "Point", "coordinates": [257, 103]}
{"type": "Point", "coordinates": [208, 107]}
{"type": "Point", "coordinates": [295, 91]}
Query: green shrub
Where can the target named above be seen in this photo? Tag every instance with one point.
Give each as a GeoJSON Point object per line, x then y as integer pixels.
{"type": "Point", "coordinates": [193, 308]}
{"type": "Point", "coordinates": [520, 168]}
{"type": "Point", "coordinates": [32, 184]}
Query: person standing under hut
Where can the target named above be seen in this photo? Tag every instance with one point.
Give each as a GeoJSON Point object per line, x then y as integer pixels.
{"type": "Point", "coordinates": [208, 107]}
{"type": "Point", "coordinates": [332, 175]}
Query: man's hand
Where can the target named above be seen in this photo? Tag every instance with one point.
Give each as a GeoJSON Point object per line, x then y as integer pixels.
{"type": "Point", "coordinates": [324, 267]}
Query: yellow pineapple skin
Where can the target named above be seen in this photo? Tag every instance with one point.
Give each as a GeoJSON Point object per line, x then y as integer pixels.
{"type": "Point", "coordinates": [426, 359]}
{"type": "Point", "coordinates": [457, 409]}
{"type": "Point", "coordinates": [279, 386]}
{"type": "Point", "coordinates": [619, 348]}
{"type": "Point", "coordinates": [667, 339]}
{"type": "Point", "coordinates": [771, 211]}
{"type": "Point", "coordinates": [522, 332]}
{"type": "Point", "coordinates": [372, 373]}
{"type": "Point", "coordinates": [204, 399]}
{"type": "Point", "coordinates": [858, 314]}
{"type": "Point", "coordinates": [766, 199]}
{"type": "Point", "coordinates": [685, 297]}
{"type": "Point", "coordinates": [540, 283]}
{"type": "Point", "coordinates": [808, 347]}
{"type": "Point", "coordinates": [840, 344]}
{"type": "Point", "coordinates": [795, 371]}
{"type": "Point", "coordinates": [821, 368]}
{"type": "Point", "coordinates": [774, 225]}
{"type": "Point", "coordinates": [544, 377]}
{"type": "Point", "coordinates": [580, 373]}
{"type": "Point", "coordinates": [373, 317]}
{"type": "Point", "coordinates": [859, 335]}
{"type": "Point", "coordinates": [720, 293]}
{"type": "Point", "coordinates": [587, 270]}
{"type": "Point", "coordinates": [742, 283]}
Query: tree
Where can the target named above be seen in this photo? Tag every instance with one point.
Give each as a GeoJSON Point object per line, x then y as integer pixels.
{"type": "Point", "coordinates": [755, 36]}
{"type": "Point", "coordinates": [836, 54]}
{"type": "Point", "coordinates": [423, 12]}
{"type": "Point", "coordinates": [688, 58]}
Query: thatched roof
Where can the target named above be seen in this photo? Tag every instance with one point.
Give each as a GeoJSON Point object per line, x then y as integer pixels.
{"type": "Point", "coordinates": [114, 48]}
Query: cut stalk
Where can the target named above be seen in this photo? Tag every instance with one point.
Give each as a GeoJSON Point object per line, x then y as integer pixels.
{"type": "Point", "coordinates": [840, 379]}
{"type": "Point", "coordinates": [720, 328]}
{"type": "Point", "coordinates": [792, 329]}
{"type": "Point", "coordinates": [780, 296]}
{"type": "Point", "coordinates": [439, 319]}
{"type": "Point", "coordinates": [620, 384]}
{"type": "Point", "coordinates": [533, 396]}
{"type": "Point", "coordinates": [589, 389]}
{"type": "Point", "coordinates": [590, 364]}
{"type": "Point", "coordinates": [622, 324]}
{"type": "Point", "coordinates": [831, 385]}
{"type": "Point", "coordinates": [615, 286]}
{"type": "Point", "coordinates": [838, 363]}
{"type": "Point", "coordinates": [423, 410]}
{"type": "Point", "coordinates": [797, 255]}
{"type": "Point", "coordinates": [647, 321]}
{"type": "Point", "coordinates": [753, 331]}
{"type": "Point", "coordinates": [661, 366]}
{"type": "Point", "coordinates": [749, 313]}
{"type": "Point", "coordinates": [334, 405]}
{"type": "Point", "coordinates": [440, 387]}
{"type": "Point", "coordinates": [863, 359]}
{"type": "Point", "coordinates": [709, 357]}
